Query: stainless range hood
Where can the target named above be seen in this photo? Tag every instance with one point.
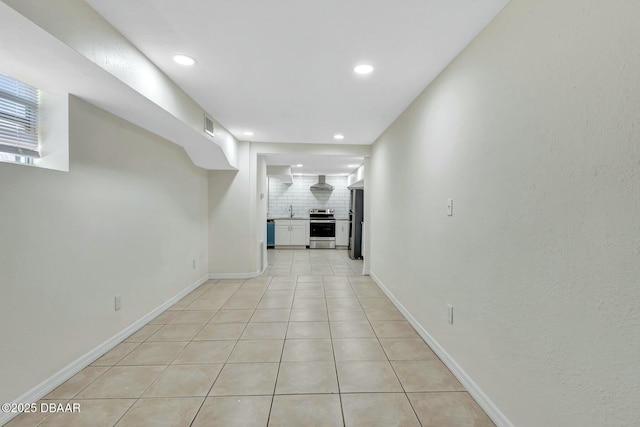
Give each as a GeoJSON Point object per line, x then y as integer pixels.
{"type": "Point", "coordinates": [322, 185]}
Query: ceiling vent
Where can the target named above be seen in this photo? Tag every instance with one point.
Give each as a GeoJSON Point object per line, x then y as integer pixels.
{"type": "Point", "coordinates": [322, 184]}
{"type": "Point", "coordinates": [208, 125]}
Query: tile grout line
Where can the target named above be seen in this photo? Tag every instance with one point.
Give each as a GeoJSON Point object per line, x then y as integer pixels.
{"type": "Point", "coordinates": [227, 359]}
{"type": "Point", "coordinates": [404, 391]}
{"type": "Point", "coordinates": [275, 384]}
{"type": "Point", "coordinates": [136, 400]}
{"type": "Point", "coordinates": [178, 355]}
{"type": "Point", "coordinates": [335, 361]}
{"type": "Point", "coordinates": [183, 308]}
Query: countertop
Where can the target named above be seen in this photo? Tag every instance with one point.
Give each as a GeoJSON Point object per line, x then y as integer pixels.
{"type": "Point", "coordinates": [286, 217]}
{"type": "Point", "coordinates": [300, 218]}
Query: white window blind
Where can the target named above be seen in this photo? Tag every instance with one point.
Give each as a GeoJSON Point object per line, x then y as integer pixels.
{"type": "Point", "coordinates": [18, 118]}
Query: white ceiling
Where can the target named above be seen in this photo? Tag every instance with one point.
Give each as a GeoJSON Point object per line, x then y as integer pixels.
{"type": "Point", "coordinates": [316, 164]}
{"type": "Point", "coordinates": [280, 68]}
{"type": "Point", "coordinates": [284, 68]}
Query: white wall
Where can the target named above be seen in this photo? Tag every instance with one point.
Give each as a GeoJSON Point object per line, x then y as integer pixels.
{"type": "Point", "coordinates": [534, 131]}
{"type": "Point", "coordinates": [232, 214]}
{"type": "Point", "coordinates": [262, 193]}
{"type": "Point", "coordinates": [298, 194]}
{"type": "Point", "coordinates": [118, 78]}
{"type": "Point", "coordinates": [366, 231]}
{"type": "Point", "coordinates": [237, 215]}
{"type": "Point", "coordinates": [356, 179]}
{"type": "Point", "coordinates": [127, 219]}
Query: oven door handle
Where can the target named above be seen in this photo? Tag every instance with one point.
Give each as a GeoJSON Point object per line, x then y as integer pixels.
{"type": "Point", "coordinates": [322, 221]}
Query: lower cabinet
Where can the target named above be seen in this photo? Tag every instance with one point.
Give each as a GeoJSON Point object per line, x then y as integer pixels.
{"type": "Point", "coordinates": [283, 233]}
{"type": "Point", "coordinates": [299, 234]}
{"type": "Point", "coordinates": [342, 232]}
{"type": "Point", "coordinates": [291, 232]}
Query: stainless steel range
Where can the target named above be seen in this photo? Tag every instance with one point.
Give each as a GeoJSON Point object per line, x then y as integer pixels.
{"type": "Point", "coordinates": [322, 229]}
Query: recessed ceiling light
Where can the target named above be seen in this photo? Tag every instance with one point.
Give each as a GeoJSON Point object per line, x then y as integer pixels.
{"type": "Point", "coordinates": [338, 136]}
{"type": "Point", "coordinates": [363, 69]}
{"type": "Point", "coordinates": [248, 133]}
{"type": "Point", "coordinates": [352, 166]}
{"type": "Point", "coordinates": [183, 60]}
{"type": "Point", "coordinates": [297, 166]}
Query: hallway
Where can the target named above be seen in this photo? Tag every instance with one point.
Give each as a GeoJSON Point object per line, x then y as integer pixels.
{"type": "Point", "coordinates": [311, 342]}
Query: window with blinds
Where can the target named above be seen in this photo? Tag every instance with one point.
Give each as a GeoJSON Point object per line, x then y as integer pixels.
{"type": "Point", "coordinates": [18, 118]}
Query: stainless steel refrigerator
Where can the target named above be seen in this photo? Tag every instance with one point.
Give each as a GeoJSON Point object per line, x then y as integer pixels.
{"type": "Point", "coordinates": [356, 212]}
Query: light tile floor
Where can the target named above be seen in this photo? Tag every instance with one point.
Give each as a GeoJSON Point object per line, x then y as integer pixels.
{"type": "Point", "coordinates": [311, 343]}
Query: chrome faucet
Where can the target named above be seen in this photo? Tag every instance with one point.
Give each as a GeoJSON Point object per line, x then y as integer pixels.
{"type": "Point", "coordinates": [290, 211]}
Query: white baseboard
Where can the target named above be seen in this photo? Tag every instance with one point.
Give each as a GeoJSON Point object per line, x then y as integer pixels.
{"type": "Point", "coordinates": [476, 393]}
{"type": "Point", "coordinates": [252, 275]}
{"type": "Point", "coordinates": [46, 386]}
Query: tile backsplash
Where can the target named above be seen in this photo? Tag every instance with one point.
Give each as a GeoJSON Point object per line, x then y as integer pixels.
{"type": "Point", "coordinates": [299, 195]}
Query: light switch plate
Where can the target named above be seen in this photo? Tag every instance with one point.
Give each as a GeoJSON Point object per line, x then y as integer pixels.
{"type": "Point", "coordinates": [450, 207]}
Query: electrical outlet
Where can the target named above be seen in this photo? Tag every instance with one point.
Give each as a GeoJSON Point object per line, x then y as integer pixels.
{"type": "Point", "coordinates": [450, 207]}
{"type": "Point", "coordinates": [450, 313]}
{"type": "Point", "coordinates": [118, 302]}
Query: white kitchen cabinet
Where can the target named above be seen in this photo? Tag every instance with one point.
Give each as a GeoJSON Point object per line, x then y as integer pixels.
{"type": "Point", "coordinates": [342, 232]}
{"type": "Point", "coordinates": [283, 235]}
{"type": "Point", "coordinates": [299, 234]}
{"type": "Point", "coordinates": [307, 226]}
{"type": "Point", "coordinates": [291, 232]}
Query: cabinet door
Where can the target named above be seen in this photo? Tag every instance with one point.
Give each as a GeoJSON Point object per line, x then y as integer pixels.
{"type": "Point", "coordinates": [283, 235]}
{"type": "Point", "coordinates": [342, 233]}
{"type": "Point", "coordinates": [306, 232]}
{"type": "Point", "coordinates": [298, 233]}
